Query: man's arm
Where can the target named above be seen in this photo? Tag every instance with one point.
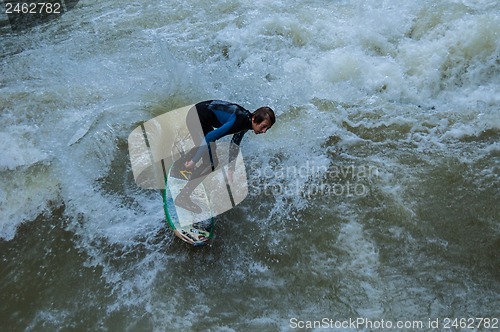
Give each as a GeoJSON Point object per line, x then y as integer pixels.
{"type": "Point", "coordinates": [234, 148]}
{"type": "Point", "coordinates": [213, 136]}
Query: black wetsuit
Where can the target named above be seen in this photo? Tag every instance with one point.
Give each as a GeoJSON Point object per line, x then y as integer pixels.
{"type": "Point", "coordinates": [217, 118]}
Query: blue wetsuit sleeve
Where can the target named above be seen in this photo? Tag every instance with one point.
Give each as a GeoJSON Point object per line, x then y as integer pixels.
{"type": "Point", "coordinates": [214, 135]}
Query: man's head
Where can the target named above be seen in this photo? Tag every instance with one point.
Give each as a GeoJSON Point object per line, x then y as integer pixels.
{"type": "Point", "coordinates": [262, 119]}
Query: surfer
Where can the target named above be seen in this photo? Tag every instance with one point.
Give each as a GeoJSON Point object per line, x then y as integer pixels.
{"type": "Point", "coordinates": [209, 121]}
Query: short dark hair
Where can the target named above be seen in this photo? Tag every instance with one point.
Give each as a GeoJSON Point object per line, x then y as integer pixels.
{"type": "Point", "coordinates": [264, 113]}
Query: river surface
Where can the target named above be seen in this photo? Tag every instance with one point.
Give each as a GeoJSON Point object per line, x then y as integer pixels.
{"type": "Point", "coordinates": [374, 197]}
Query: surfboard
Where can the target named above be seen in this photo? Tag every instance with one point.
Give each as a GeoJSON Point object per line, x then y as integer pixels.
{"type": "Point", "coordinates": [193, 228]}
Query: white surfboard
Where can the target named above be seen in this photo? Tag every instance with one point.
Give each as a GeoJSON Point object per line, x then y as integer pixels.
{"type": "Point", "coordinates": [194, 228]}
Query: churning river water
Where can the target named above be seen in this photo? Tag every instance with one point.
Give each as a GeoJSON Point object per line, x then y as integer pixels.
{"type": "Point", "coordinates": [374, 198]}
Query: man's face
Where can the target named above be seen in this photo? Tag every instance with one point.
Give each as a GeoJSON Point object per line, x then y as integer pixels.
{"type": "Point", "coordinates": [262, 127]}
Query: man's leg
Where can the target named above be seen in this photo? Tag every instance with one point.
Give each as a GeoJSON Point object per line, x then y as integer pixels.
{"type": "Point", "coordinates": [183, 199]}
{"type": "Point", "coordinates": [198, 134]}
